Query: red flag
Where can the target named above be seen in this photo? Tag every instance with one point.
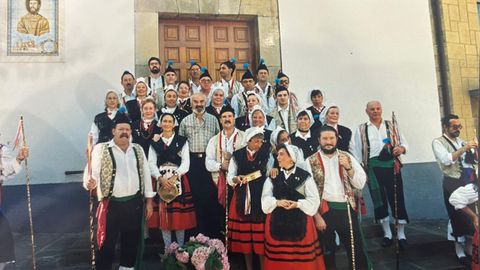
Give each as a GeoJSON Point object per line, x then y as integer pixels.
{"type": "Point", "coordinates": [18, 141]}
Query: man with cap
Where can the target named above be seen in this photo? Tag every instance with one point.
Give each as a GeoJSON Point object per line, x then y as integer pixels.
{"type": "Point", "coordinates": [219, 151]}
{"type": "Point", "coordinates": [305, 137]}
{"type": "Point", "coordinates": [338, 176]}
{"type": "Point", "coordinates": [284, 114]}
{"type": "Point", "coordinates": [247, 172]}
{"type": "Point", "coordinates": [372, 145]}
{"type": "Point", "coordinates": [206, 83]}
{"type": "Point", "coordinates": [283, 80]}
{"type": "Point", "coordinates": [121, 176]}
{"type": "Point", "coordinates": [239, 101]}
{"type": "Point", "coordinates": [9, 166]}
{"type": "Point", "coordinates": [155, 80]}
{"type": "Point", "coordinates": [128, 83]}
{"type": "Point", "coordinates": [199, 127]}
{"type": "Point", "coordinates": [264, 88]}
{"type": "Point", "coordinates": [230, 86]}
{"type": "Point", "coordinates": [194, 72]}
{"type": "Point", "coordinates": [170, 75]}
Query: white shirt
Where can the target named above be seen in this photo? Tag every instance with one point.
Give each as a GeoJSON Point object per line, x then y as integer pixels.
{"type": "Point", "coordinates": [463, 196]}
{"type": "Point", "coordinates": [228, 144]}
{"type": "Point", "coordinates": [268, 102]}
{"type": "Point", "coordinates": [443, 156]}
{"type": "Point", "coordinates": [124, 98]}
{"type": "Point", "coordinates": [309, 205]}
{"type": "Point", "coordinates": [284, 115]}
{"type": "Point", "coordinates": [184, 165]}
{"type": "Point", "coordinates": [333, 190]}
{"type": "Point", "coordinates": [376, 137]}
{"type": "Point", "coordinates": [9, 165]}
{"type": "Point", "coordinates": [126, 176]}
{"type": "Point", "coordinates": [156, 84]}
{"type": "Point", "coordinates": [305, 137]}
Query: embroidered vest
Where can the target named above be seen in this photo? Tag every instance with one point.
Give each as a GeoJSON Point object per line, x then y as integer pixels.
{"type": "Point", "coordinates": [237, 144]}
{"type": "Point", "coordinates": [366, 143]}
{"type": "Point", "coordinates": [108, 171]}
{"type": "Point", "coordinates": [319, 176]}
{"type": "Point", "coordinates": [453, 170]}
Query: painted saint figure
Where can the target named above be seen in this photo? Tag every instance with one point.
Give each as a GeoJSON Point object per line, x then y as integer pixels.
{"type": "Point", "coordinates": [33, 23]}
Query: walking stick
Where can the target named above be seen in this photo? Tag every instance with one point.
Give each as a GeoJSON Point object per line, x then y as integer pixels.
{"type": "Point", "coordinates": [350, 222]}
{"type": "Point", "coordinates": [396, 169]}
{"type": "Point", "coordinates": [91, 200]}
{"type": "Point", "coordinates": [29, 198]}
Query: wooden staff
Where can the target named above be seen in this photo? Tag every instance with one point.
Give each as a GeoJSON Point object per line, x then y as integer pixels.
{"type": "Point", "coordinates": [349, 213]}
{"type": "Point", "coordinates": [396, 142]}
{"type": "Point", "coordinates": [29, 198]}
{"type": "Point", "coordinates": [91, 200]}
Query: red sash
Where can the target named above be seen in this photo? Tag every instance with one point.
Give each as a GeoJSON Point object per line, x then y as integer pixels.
{"type": "Point", "coordinates": [102, 222]}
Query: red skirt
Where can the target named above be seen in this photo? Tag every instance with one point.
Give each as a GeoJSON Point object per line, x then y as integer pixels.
{"type": "Point", "coordinates": [475, 263]}
{"type": "Point", "coordinates": [302, 255]}
{"type": "Point", "coordinates": [244, 236]}
{"type": "Point", "coordinates": [176, 215]}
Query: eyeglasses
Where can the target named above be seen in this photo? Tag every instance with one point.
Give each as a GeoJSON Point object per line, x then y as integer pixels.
{"type": "Point", "coordinates": [457, 127]}
{"type": "Point", "coordinates": [283, 81]}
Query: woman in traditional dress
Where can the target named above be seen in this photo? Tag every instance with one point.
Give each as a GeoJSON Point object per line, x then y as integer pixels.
{"type": "Point", "coordinates": [317, 108]}
{"type": "Point", "coordinates": [171, 107]}
{"type": "Point", "coordinates": [344, 133]}
{"type": "Point", "coordinates": [169, 162]}
{"type": "Point", "coordinates": [290, 201]}
{"type": "Point", "coordinates": [217, 103]}
{"type": "Point", "coordinates": [134, 106]}
{"type": "Point", "coordinates": [102, 126]}
{"type": "Point", "coordinates": [184, 93]}
{"type": "Point", "coordinates": [143, 130]}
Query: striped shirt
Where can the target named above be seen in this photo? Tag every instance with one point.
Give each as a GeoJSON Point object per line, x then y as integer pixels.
{"type": "Point", "coordinates": [199, 132]}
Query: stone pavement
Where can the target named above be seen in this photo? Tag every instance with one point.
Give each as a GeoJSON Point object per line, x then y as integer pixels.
{"type": "Point", "coordinates": [70, 250]}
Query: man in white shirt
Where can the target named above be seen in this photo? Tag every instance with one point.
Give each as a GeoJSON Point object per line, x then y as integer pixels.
{"type": "Point", "coordinates": [9, 166]}
{"type": "Point", "coordinates": [156, 81]}
{"type": "Point", "coordinates": [264, 88]}
{"type": "Point", "coordinates": [128, 82]}
{"type": "Point", "coordinates": [239, 100]}
{"type": "Point", "coordinates": [194, 72]}
{"type": "Point", "coordinates": [373, 145]}
{"type": "Point", "coordinates": [121, 176]}
{"type": "Point", "coordinates": [338, 176]}
{"type": "Point", "coordinates": [284, 114]}
{"type": "Point", "coordinates": [458, 165]}
{"type": "Point", "coordinates": [230, 86]}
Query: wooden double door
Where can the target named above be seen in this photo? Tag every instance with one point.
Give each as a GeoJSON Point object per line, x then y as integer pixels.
{"type": "Point", "coordinates": [207, 42]}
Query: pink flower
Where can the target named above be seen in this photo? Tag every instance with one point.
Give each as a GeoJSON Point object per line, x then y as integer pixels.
{"type": "Point", "coordinates": [225, 263]}
{"type": "Point", "coordinates": [182, 256]}
{"type": "Point", "coordinates": [200, 256]}
{"type": "Point", "coordinates": [172, 248]}
{"type": "Point", "coordinates": [202, 238]}
{"type": "Point", "coordinates": [218, 245]}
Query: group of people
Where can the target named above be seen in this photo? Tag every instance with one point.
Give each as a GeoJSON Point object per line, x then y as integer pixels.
{"type": "Point", "coordinates": [240, 161]}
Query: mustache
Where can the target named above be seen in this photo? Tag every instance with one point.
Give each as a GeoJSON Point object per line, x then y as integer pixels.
{"type": "Point", "coordinates": [124, 135]}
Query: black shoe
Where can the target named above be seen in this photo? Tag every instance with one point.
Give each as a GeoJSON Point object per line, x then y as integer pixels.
{"type": "Point", "coordinates": [464, 260]}
{"type": "Point", "coordinates": [402, 244]}
{"type": "Point", "coordinates": [386, 242]}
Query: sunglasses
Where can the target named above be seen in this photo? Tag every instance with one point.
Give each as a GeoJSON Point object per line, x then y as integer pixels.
{"type": "Point", "coordinates": [283, 81]}
{"type": "Point", "coordinates": [457, 127]}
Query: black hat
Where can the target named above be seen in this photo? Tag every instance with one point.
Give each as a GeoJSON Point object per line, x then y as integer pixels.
{"type": "Point", "coordinates": [281, 74]}
{"type": "Point", "coordinates": [205, 73]}
{"type": "Point", "coordinates": [169, 68]}
{"type": "Point", "coordinates": [248, 74]}
{"type": "Point", "coordinates": [280, 88]}
{"type": "Point", "coordinates": [121, 118]}
{"type": "Point", "coordinates": [227, 108]}
{"type": "Point", "coordinates": [194, 63]}
{"type": "Point", "coordinates": [261, 65]}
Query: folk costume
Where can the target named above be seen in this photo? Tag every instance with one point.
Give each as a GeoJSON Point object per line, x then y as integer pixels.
{"type": "Point", "coordinates": [246, 218]}
{"type": "Point", "coordinates": [102, 126]}
{"type": "Point", "coordinates": [291, 240]}
{"type": "Point", "coordinates": [372, 146]}
{"type": "Point", "coordinates": [143, 132]}
{"type": "Point", "coordinates": [171, 157]}
{"type": "Point", "coordinates": [285, 117]}
{"type": "Point", "coordinates": [123, 181]}
{"type": "Point", "coordinates": [308, 142]}
{"type": "Point", "coordinates": [337, 192]}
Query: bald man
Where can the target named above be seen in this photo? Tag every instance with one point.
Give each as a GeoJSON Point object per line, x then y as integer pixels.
{"type": "Point", "coordinates": [371, 146]}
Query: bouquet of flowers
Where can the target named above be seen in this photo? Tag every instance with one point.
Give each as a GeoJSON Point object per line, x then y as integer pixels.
{"type": "Point", "coordinates": [199, 253]}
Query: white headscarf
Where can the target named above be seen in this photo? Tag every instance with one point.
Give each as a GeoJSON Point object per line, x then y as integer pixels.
{"type": "Point", "coordinates": [249, 133]}
{"type": "Point", "coordinates": [254, 109]}
{"type": "Point", "coordinates": [309, 114]}
{"type": "Point", "coordinates": [141, 80]}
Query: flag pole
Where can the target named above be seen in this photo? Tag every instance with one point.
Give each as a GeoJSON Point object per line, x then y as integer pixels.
{"type": "Point", "coordinates": [29, 197]}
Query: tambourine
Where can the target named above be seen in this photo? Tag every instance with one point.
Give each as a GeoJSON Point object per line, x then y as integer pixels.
{"type": "Point", "coordinates": [169, 195]}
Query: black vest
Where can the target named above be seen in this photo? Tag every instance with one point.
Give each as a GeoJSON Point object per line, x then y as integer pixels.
{"type": "Point", "coordinates": [144, 137]}
{"type": "Point", "coordinates": [244, 167]}
{"type": "Point", "coordinates": [169, 153]}
{"type": "Point", "coordinates": [105, 126]}
{"type": "Point", "coordinates": [288, 225]}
